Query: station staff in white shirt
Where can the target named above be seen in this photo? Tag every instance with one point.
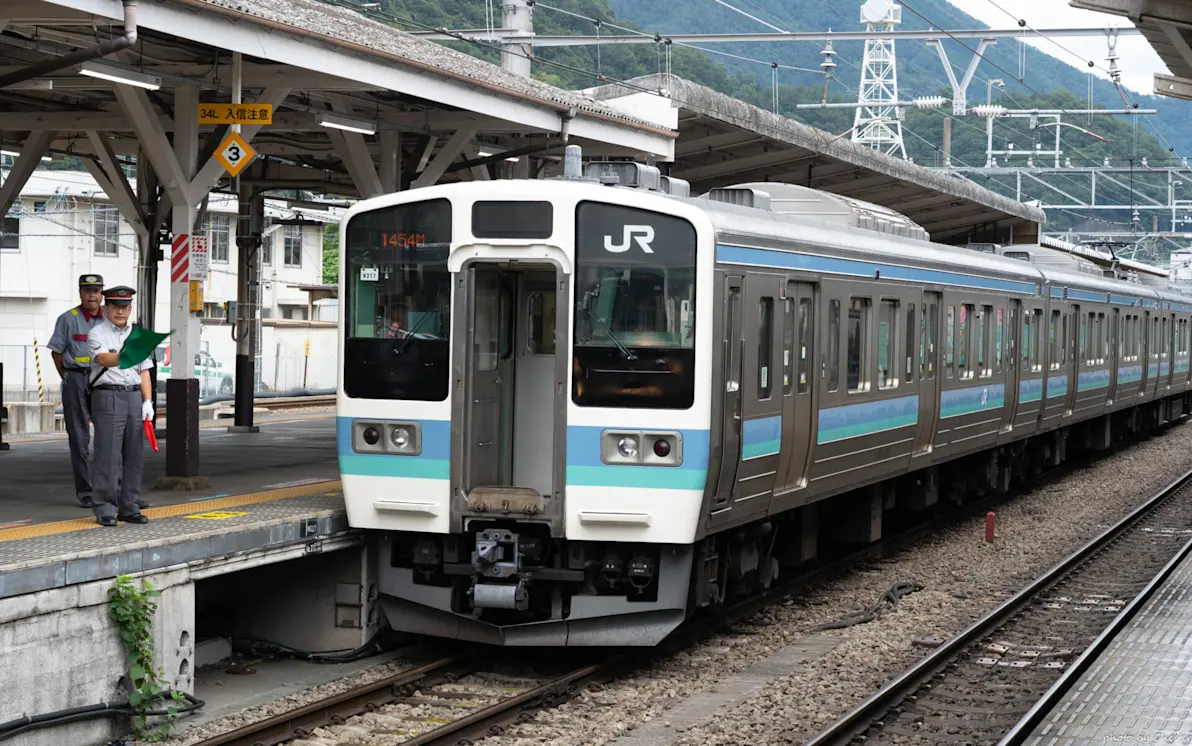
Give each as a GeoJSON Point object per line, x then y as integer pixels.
{"type": "Point", "coordinates": [120, 401]}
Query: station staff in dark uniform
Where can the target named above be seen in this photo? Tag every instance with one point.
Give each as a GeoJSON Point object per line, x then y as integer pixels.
{"type": "Point", "coordinates": [120, 401]}
{"type": "Point", "coordinates": [72, 358]}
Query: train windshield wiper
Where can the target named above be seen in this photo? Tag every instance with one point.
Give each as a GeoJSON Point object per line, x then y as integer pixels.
{"type": "Point", "coordinates": [620, 345]}
{"type": "Point", "coordinates": [410, 335]}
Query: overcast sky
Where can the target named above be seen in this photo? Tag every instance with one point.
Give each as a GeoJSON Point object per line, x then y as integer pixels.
{"type": "Point", "coordinates": [1138, 62]}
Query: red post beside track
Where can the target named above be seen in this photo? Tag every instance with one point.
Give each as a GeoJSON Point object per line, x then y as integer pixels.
{"type": "Point", "coordinates": [989, 519]}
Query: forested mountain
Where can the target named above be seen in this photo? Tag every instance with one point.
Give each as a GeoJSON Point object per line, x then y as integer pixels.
{"type": "Point", "coordinates": [1060, 81]}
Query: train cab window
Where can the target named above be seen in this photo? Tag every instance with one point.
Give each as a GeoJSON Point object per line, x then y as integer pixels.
{"type": "Point", "coordinates": [909, 352]}
{"type": "Point", "coordinates": [887, 337]}
{"type": "Point", "coordinates": [950, 343]}
{"type": "Point", "coordinates": [834, 345]}
{"type": "Point", "coordinates": [964, 342]}
{"type": "Point", "coordinates": [858, 323]}
{"type": "Point", "coordinates": [788, 346]}
{"type": "Point", "coordinates": [803, 345]}
{"type": "Point", "coordinates": [765, 349]}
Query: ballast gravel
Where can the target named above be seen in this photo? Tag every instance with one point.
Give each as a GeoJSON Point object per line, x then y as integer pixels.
{"type": "Point", "coordinates": [962, 579]}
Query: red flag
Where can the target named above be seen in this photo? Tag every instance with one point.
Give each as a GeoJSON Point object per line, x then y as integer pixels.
{"type": "Point", "coordinates": [151, 434]}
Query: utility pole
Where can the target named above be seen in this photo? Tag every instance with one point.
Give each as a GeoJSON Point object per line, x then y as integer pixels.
{"type": "Point", "coordinates": [516, 56]}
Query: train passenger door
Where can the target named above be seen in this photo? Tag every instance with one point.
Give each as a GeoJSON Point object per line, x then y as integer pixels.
{"type": "Point", "coordinates": [732, 350]}
{"type": "Point", "coordinates": [929, 383]}
{"type": "Point", "coordinates": [484, 381]}
{"type": "Point", "coordinates": [798, 353]}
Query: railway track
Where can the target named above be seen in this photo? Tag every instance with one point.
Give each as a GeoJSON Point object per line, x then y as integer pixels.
{"type": "Point", "coordinates": [978, 686]}
{"type": "Point", "coordinates": [459, 702]}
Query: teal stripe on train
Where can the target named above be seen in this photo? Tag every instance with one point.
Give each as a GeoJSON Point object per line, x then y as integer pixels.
{"type": "Point", "coordinates": [866, 418]}
{"type": "Point", "coordinates": [972, 399]}
{"type": "Point", "coordinates": [1092, 379]}
{"type": "Point", "coordinates": [761, 437]}
{"type": "Point", "coordinates": [1030, 390]}
{"type": "Point", "coordinates": [1130, 374]}
{"type": "Point", "coordinates": [1057, 386]}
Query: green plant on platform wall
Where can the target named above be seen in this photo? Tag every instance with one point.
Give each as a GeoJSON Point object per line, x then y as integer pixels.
{"type": "Point", "coordinates": [132, 609]}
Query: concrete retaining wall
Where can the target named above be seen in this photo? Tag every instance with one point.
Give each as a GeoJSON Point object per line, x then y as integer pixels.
{"type": "Point", "coordinates": [60, 649]}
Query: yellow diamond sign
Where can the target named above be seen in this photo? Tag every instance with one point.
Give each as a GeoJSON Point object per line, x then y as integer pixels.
{"type": "Point", "coordinates": [234, 153]}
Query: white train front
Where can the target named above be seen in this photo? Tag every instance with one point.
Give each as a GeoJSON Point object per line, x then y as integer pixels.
{"type": "Point", "coordinates": [576, 413]}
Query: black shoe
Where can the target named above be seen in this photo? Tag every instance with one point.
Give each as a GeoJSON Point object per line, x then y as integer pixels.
{"type": "Point", "coordinates": [134, 518]}
{"type": "Point", "coordinates": [106, 520]}
{"type": "Point", "coordinates": [88, 503]}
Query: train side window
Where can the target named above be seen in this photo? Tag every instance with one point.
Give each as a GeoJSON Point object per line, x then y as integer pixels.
{"type": "Point", "coordinates": [1102, 338]}
{"type": "Point", "coordinates": [765, 347]}
{"type": "Point", "coordinates": [887, 337]}
{"type": "Point", "coordinates": [1006, 334]}
{"type": "Point", "coordinates": [997, 339]}
{"type": "Point", "coordinates": [1166, 339]}
{"type": "Point", "coordinates": [1036, 335]}
{"type": "Point", "coordinates": [788, 346]}
{"type": "Point", "coordinates": [541, 336]}
{"type": "Point", "coordinates": [950, 344]}
{"type": "Point", "coordinates": [1053, 341]}
{"type": "Point", "coordinates": [834, 345]}
{"type": "Point", "coordinates": [909, 352]}
{"type": "Point", "coordinates": [984, 322]}
{"type": "Point", "coordinates": [964, 341]}
{"type": "Point", "coordinates": [1084, 337]}
{"type": "Point", "coordinates": [803, 344]}
{"type": "Point", "coordinates": [858, 322]}
{"type": "Point", "coordinates": [1068, 339]}
{"type": "Point", "coordinates": [1026, 346]}
{"type": "Point", "coordinates": [927, 351]}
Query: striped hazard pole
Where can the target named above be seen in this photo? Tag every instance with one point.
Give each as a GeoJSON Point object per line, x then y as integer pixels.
{"type": "Point", "coordinates": [41, 391]}
{"type": "Point", "coordinates": [180, 259]}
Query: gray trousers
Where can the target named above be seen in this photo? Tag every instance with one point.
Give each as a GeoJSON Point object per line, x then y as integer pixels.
{"type": "Point", "coordinates": [78, 429]}
{"type": "Point", "coordinates": [119, 451]}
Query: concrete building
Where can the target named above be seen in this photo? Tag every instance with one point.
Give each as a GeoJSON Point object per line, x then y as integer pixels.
{"type": "Point", "coordinates": [63, 225]}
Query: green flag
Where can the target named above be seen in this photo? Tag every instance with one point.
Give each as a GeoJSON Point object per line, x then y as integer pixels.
{"type": "Point", "coordinates": [140, 345]}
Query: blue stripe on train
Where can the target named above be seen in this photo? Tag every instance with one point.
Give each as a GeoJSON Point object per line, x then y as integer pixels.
{"type": "Point", "coordinates": [837, 266]}
{"type": "Point", "coordinates": [585, 467]}
{"type": "Point", "coordinates": [761, 437]}
{"type": "Point", "coordinates": [972, 399]}
{"type": "Point", "coordinates": [866, 418]}
{"type": "Point", "coordinates": [433, 463]}
{"type": "Point", "coordinates": [1091, 380]}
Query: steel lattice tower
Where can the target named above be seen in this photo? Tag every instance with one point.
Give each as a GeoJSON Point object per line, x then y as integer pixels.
{"type": "Point", "coordinates": [876, 124]}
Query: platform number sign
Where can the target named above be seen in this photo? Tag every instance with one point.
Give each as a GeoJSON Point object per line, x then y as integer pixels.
{"type": "Point", "coordinates": [234, 153]}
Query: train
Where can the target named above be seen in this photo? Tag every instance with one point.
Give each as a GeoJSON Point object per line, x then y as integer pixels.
{"type": "Point", "coordinates": [578, 411]}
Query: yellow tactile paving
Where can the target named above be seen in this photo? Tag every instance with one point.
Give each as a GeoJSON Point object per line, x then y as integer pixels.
{"type": "Point", "coordinates": [170, 511]}
{"type": "Point", "coordinates": [202, 426]}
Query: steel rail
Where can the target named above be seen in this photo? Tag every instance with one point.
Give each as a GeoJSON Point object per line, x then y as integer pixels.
{"type": "Point", "coordinates": [862, 717]}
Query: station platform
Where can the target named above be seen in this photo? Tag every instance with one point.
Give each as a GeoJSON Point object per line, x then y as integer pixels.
{"type": "Point", "coordinates": [270, 488]}
{"type": "Point", "coordinates": [1139, 689]}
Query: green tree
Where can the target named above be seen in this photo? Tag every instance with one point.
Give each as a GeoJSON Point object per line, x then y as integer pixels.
{"type": "Point", "coordinates": [330, 254]}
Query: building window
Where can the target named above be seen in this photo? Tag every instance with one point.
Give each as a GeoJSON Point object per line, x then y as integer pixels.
{"type": "Point", "coordinates": [218, 230]}
{"type": "Point", "coordinates": [293, 241]}
{"type": "Point", "coordinates": [267, 250]}
{"type": "Point", "coordinates": [297, 313]}
{"type": "Point", "coordinates": [10, 234]}
{"type": "Point", "coordinates": [106, 230]}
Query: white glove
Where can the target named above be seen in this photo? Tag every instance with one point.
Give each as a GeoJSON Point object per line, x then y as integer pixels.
{"type": "Point", "coordinates": [147, 410]}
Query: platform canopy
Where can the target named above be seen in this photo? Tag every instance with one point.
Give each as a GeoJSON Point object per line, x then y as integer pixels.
{"type": "Point", "coordinates": [1167, 26]}
{"type": "Point", "coordinates": [323, 67]}
{"type": "Point", "coordinates": [724, 141]}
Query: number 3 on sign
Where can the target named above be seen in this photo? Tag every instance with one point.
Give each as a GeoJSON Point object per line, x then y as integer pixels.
{"type": "Point", "coordinates": [234, 154]}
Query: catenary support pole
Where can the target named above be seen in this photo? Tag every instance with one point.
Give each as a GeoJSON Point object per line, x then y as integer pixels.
{"type": "Point", "coordinates": [248, 244]}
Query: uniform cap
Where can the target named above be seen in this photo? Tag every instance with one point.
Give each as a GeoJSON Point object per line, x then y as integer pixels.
{"type": "Point", "coordinates": [121, 295]}
{"type": "Point", "coordinates": [90, 281]}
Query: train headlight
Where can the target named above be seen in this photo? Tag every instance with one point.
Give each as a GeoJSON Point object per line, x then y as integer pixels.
{"type": "Point", "coordinates": [404, 438]}
{"type": "Point", "coordinates": [641, 448]}
{"type": "Point", "coordinates": [366, 436]}
{"type": "Point", "coordinates": [400, 437]}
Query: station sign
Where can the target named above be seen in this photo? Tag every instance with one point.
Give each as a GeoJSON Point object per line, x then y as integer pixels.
{"type": "Point", "coordinates": [235, 113]}
{"type": "Point", "coordinates": [234, 154]}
